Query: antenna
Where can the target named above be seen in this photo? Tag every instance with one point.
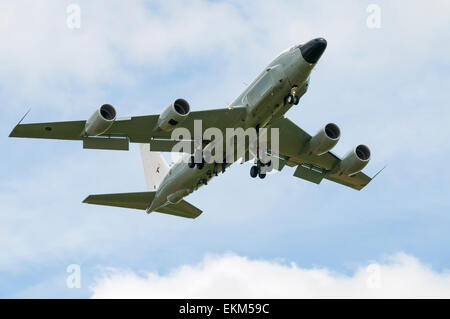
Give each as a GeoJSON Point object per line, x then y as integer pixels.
{"type": "Point", "coordinates": [379, 172]}
{"type": "Point", "coordinates": [24, 116]}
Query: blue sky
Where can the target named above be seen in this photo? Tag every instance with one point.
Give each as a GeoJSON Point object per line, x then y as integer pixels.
{"type": "Point", "coordinates": [386, 87]}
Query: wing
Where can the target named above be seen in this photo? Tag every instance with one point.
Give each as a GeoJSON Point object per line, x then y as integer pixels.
{"type": "Point", "coordinates": [312, 168]}
{"type": "Point", "coordinates": [138, 129]}
{"type": "Point", "coordinates": [56, 130]}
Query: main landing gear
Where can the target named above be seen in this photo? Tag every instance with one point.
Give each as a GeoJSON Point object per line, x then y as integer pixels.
{"type": "Point", "coordinates": [292, 97]}
{"type": "Point", "coordinates": [200, 165]}
{"type": "Point", "coordinates": [192, 162]}
{"type": "Point", "coordinates": [259, 169]}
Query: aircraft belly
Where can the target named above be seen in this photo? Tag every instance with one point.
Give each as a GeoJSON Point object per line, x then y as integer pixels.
{"type": "Point", "coordinates": [263, 112]}
{"type": "Point", "coordinates": [265, 102]}
{"type": "Point", "coordinates": [182, 183]}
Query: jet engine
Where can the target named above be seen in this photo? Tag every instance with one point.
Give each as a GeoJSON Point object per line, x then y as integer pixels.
{"type": "Point", "coordinates": [173, 115]}
{"type": "Point", "coordinates": [100, 121]}
{"type": "Point", "coordinates": [355, 160]}
{"type": "Point", "coordinates": [324, 140]}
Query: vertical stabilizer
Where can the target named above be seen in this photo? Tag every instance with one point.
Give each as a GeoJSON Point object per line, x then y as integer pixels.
{"type": "Point", "coordinates": [155, 167]}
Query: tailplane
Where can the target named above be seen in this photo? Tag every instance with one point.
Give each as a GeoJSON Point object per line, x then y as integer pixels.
{"type": "Point", "coordinates": [155, 169]}
{"type": "Point", "coordinates": [142, 201]}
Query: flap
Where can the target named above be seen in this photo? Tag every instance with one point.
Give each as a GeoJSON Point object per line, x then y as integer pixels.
{"type": "Point", "coordinates": [107, 143]}
{"type": "Point", "coordinates": [310, 173]}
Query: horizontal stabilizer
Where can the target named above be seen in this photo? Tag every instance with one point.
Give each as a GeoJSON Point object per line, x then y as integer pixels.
{"type": "Point", "coordinates": [126, 200]}
{"type": "Point", "coordinates": [182, 209]}
{"type": "Point", "coordinates": [142, 201]}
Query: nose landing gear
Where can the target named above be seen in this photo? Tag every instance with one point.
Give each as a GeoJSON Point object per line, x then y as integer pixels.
{"type": "Point", "coordinates": [292, 97]}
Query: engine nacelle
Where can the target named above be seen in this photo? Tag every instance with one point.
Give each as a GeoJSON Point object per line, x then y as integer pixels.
{"type": "Point", "coordinates": [355, 160]}
{"type": "Point", "coordinates": [173, 115]}
{"type": "Point", "coordinates": [100, 121]}
{"type": "Point", "coordinates": [324, 140]}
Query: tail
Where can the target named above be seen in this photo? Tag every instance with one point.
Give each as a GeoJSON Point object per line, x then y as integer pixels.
{"type": "Point", "coordinates": [155, 167]}
{"type": "Point", "coordinates": [142, 201]}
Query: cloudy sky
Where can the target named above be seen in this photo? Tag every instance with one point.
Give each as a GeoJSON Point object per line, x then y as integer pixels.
{"type": "Point", "coordinates": [386, 87]}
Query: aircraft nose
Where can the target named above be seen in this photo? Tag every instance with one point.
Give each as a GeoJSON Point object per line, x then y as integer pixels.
{"type": "Point", "coordinates": [312, 50]}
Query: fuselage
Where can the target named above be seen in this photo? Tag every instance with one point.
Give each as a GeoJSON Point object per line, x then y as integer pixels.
{"type": "Point", "coordinates": [264, 101]}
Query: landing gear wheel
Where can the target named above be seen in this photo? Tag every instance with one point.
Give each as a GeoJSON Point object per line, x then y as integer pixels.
{"type": "Point", "coordinates": [254, 171]}
{"type": "Point", "coordinates": [296, 99]}
{"type": "Point", "coordinates": [200, 165]}
{"type": "Point", "coordinates": [289, 99]}
{"type": "Point", "coordinates": [261, 175]}
{"type": "Point", "coordinates": [191, 162]}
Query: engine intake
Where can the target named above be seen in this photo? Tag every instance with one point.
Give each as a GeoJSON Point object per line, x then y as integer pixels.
{"type": "Point", "coordinates": [100, 121]}
{"type": "Point", "coordinates": [324, 140]}
{"type": "Point", "coordinates": [355, 160]}
{"type": "Point", "coordinates": [173, 115]}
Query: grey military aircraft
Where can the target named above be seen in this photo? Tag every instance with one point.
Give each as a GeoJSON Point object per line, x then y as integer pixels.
{"type": "Point", "coordinates": [263, 104]}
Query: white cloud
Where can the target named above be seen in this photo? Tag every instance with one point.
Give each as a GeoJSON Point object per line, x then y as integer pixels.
{"type": "Point", "coordinates": [42, 50]}
{"type": "Point", "coordinates": [232, 276]}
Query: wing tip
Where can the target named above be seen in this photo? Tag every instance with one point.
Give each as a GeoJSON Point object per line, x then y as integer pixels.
{"type": "Point", "coordinates": [360, 187]}
{"type": "Point", "coordinates": [15, 132]}
{"type": "Point", "coordinates": [17, 125]}
{"type": "Point", "coordinates": [198, 214]}
{"type": "Point", "coordinates": [88, 200]}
